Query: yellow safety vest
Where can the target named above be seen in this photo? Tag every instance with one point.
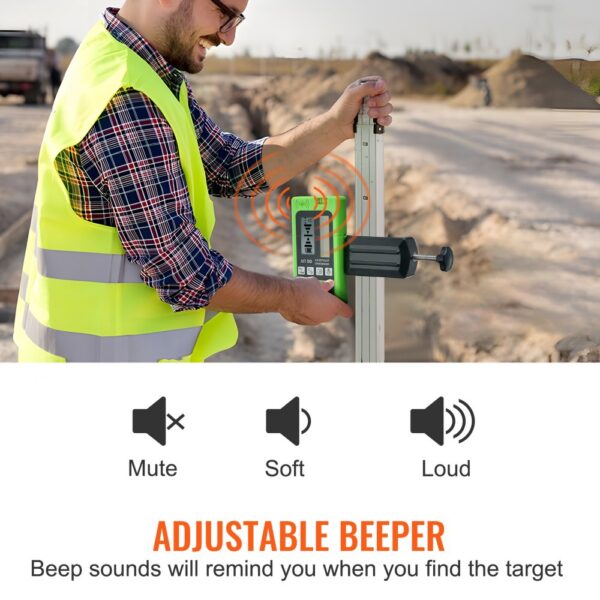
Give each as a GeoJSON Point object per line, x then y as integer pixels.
{"type": "Point", "coordinates": [81, 299]}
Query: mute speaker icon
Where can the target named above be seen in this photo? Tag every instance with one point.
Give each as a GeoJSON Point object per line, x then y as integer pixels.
{"type": "Point", "coordinates": [153, 421]}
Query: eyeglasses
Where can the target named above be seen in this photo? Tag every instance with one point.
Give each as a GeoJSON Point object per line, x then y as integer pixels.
{"type": "Point", "coordinates": [233, 18]}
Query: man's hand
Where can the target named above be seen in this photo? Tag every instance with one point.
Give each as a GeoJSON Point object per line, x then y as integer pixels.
{"type": "Point", "coordinates": [292, 152]}
{"type": "Point", "coordinates": [344, 111]}
{"type": "Point", "coordinates": [311, 303]}
{"type": "Point", "coordinates": [302, 301]}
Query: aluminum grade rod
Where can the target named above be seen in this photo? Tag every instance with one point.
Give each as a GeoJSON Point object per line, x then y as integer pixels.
{"type": "Point", "coordinates": [369, 214]}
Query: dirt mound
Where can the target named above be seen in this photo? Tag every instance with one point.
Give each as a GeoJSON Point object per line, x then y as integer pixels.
{"type": "Point", "coordinates": [523, 81]}
{"type": "Point", "coordinates": [401, 75]}
{"type": "Point", "coordinates": [423, 73]}
{"type": "Point", "coordinates": [315, 87]}
{"type": "Point", "coordinates": [442, 75]}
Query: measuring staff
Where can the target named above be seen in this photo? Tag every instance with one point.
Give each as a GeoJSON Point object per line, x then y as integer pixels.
{"type": "Point", "coordinates": [321, 248]}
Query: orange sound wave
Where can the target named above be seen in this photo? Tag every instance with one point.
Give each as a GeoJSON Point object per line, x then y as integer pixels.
{"type": "Point", "coordinates": [280, 207]}
{"type": "Point", "coordinates": [245, 183]}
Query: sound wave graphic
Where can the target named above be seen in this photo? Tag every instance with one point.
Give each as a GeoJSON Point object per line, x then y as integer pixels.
{"type": "Point", "coordinates": [265, 221]}
{"type": "Point", "coordinates": [465, 420]}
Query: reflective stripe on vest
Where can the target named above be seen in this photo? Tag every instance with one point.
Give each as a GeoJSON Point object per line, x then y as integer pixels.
{"type": "Point", "coordinates": [86, 266]}
{"type": "Point", "coordinates": [81, 347]}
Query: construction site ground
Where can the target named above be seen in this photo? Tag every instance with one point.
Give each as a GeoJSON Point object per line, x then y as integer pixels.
{"type": "Point", "coordinates": [515, 192]}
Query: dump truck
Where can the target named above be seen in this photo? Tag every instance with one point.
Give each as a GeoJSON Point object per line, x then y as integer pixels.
{"type": "Point", "coordinates": [24, 66]}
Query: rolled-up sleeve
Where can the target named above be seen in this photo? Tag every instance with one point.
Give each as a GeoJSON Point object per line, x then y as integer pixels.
{"type": "Point", "coordinates": [233, 166]}
{"type": "Point", "coordinates": [132, 154]}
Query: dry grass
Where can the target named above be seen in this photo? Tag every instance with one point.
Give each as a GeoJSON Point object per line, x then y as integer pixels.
{"type": "Point", "coordinates": [243, 65]}
{"type": "Point", "coordinates": [584, 73]}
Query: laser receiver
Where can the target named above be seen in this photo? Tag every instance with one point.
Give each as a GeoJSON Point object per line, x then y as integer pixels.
{"type": "Point", "coordinates": [318, 237]}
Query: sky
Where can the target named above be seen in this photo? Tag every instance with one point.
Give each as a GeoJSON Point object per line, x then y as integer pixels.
{"type": "Point", "coordinates": [348, 27]}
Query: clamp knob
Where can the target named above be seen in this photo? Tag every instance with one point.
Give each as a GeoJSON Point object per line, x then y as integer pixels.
{"type": "Point", "coordinates": [445, 258]}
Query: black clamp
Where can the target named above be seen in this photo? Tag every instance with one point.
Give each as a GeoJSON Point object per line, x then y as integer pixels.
{"type": "Point", "coordinates": [377, 128]}
{"type": "Point", "coordinates": [390, 257]}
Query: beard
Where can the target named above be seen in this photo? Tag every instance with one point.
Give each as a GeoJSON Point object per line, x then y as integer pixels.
{"type": "Point", "coordinates": [181, 44]}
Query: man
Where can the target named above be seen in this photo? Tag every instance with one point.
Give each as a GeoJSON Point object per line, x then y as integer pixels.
{"type": "Point", "coordinates": [119, 265]}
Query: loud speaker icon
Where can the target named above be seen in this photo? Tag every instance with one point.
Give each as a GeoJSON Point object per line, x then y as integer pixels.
{"type": "Point", "coordinates": [286, 421]}
{"type": "Point", "coordinates": [153, 421]}
{"type": "Point", "coordinates": [430, 421]}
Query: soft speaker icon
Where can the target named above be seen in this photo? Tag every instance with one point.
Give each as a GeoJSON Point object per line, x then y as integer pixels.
{"type": "Point", "coordinates": [286, 421]}
{"type": "Point", "coordinates": [430, 421]}
{"type": "Point", "coordinates": [153, 421]}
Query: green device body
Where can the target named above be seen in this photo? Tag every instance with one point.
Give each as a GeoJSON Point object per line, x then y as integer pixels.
{"type": "Point", "coordinates": [318, 238]}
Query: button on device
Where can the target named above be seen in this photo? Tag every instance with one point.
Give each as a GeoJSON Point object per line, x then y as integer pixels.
{"type": "Point", "coordinates": [301, 270]}
{"type": "Point", "coordinates": [319, 271]}
{"type": "Point", "coordinates": [329, 272]}
{"type": "Point", "coordinates": [310, 271]}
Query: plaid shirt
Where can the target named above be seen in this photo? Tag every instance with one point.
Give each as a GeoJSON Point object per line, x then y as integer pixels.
{"type": "Point", "coordinates": [126, 173]}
